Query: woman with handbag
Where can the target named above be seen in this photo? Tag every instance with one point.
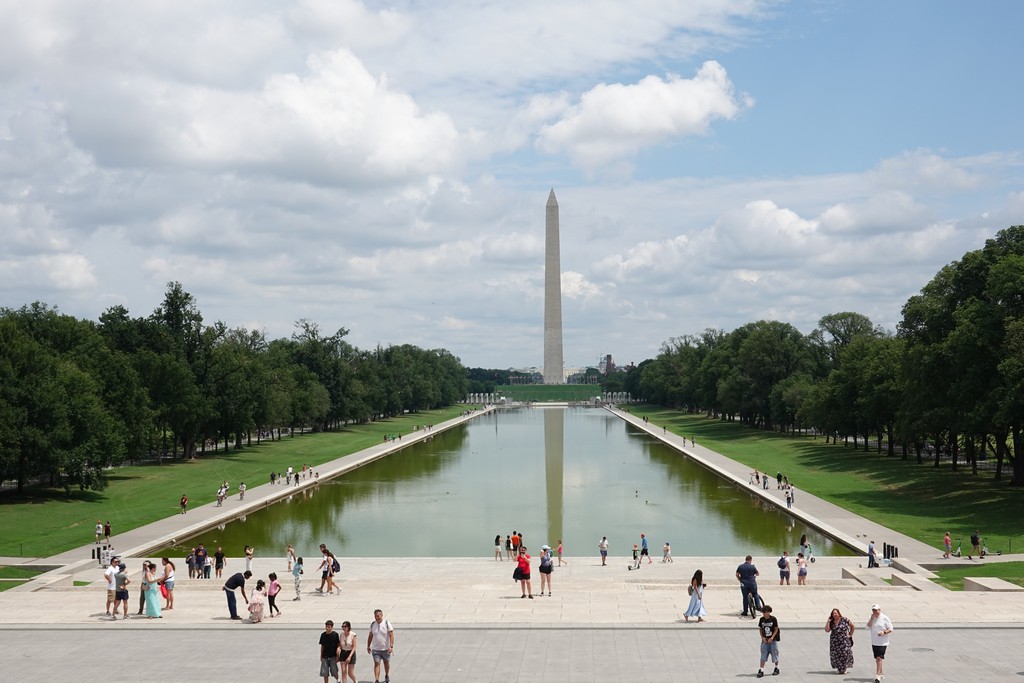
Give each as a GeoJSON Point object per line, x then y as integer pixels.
{"type": "Point", "coordinates": [696, 593]}
{"type": "Point", "coordinates": [167, 582]}
{"type": "Point", "coordinates": [840, 641]}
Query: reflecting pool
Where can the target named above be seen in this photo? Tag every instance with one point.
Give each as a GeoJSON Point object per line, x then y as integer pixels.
{"type": "Point", "coordinates": [575, 474]}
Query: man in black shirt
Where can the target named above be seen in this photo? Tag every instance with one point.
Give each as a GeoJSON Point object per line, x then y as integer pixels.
{"type": "Point", "coordinates": [330, 647]}
{"type": "Point", "coordinates": [747, 575]}
{"type": "Point", "coordinates": [233, 582]}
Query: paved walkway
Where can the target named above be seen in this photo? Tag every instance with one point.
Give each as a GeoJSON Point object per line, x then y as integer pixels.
{"type": "Point", "coordinates": [463, 619]}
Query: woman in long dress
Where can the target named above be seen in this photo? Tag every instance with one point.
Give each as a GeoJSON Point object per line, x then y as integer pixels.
{"type": "Point", "coordinates": [696, 606]}
{"type": "Point", "coordinates": [840, 641]}
{"type": "Point", "coordinates": [256, 602]}
{"type": "Point", "coordinates": [149, 584]}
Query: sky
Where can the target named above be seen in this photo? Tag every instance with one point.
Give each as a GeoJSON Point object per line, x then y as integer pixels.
{"type": "Point", "coordinates": [384, 167]}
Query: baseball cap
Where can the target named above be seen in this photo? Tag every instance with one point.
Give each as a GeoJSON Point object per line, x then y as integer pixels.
{"type": "Point", "coordinates": [874, 607]}
{"type": "Point", "coordinates": [545, 547]}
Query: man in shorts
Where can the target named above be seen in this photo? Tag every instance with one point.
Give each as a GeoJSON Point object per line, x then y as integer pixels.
{"type": "Point", "coordinates": [330, 647]}
{"type": "Point", "coordinates": [784, 568]}
{"type": "Point", "coordinates": [109, 573]}
{"type": "Point", "coordinates": [975, 545]}
{"type": "Point", "coordinates": [880, 627]}
{"type": "Point", "coordinates": [768, 627]}
{"type": "Point", "coordinates": [644, 550]}
{"type": "Point", "coordinates": [381, 643]}
{"type": "Point", "coordinates": [121, 582]}
{"type": "Point", "coordinates": [602, 545]}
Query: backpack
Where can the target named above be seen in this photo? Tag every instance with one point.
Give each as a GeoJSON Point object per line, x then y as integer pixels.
{"type": "Point", "coordinates": [335, 565]}
{"type": "Point", "coordinates": [782, 563]}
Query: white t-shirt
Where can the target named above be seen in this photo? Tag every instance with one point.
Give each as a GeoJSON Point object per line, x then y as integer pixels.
{"type": "Point", "coordinates": [109, 573]}
{"type": "Point", "coordinates": [882, 623]}
{"type": "Point", "coordinates": [379, 634]}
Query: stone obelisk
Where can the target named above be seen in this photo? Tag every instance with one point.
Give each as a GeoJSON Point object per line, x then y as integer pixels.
{"type": "Point", "coordinates": [552, 296]}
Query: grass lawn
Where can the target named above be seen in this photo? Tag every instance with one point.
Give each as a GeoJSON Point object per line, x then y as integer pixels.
{"type": "Point", "coordinates": [44, 522]}
{"type": "Point", "coordinates": [953, 578]}
{"type": "Point", "coordinates": [18, 572]}
{"type": "Point", "coordinates": [918, 500]}
{"type": "Point", "coordinates": [8, 585]}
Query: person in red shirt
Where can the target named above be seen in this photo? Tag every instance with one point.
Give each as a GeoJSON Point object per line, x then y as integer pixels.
{"type": "Point", "coordinates": [523, 572]}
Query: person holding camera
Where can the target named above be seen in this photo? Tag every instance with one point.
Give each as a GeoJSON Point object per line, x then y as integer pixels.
{"type": "Point", "coordinates": [696, 592]}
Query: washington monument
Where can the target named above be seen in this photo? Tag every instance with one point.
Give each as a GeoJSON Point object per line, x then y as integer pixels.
{"type": "Point", "coordinates": [552, 297]}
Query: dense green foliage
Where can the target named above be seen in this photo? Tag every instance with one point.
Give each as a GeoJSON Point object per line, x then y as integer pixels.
{"type": "Point", "coordinates": [42, 521]}
{"type": "Point", "coordinates": [949, 383]}
{"type": "Point", "coordinates": [77, 397]}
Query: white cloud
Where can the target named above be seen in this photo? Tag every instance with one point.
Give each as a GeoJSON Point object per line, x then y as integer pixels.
{"type": "Point", "coordinates": [613, 121]}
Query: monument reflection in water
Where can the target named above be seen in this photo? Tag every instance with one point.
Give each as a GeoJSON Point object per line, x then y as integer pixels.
{"type": "Point", "coordinates": [574, 474]}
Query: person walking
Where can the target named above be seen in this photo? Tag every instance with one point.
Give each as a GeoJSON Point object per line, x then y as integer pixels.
{"type": "Point", "coordinates": [948, 543]}
{"type": "Point", "coordinates": [872, 561]}
{"type": "Point", "coordinates": [273, 588]}
{"type": "Point", "coordinates": [561, 550]}
{"type": "Point", "coordinates": [522, 573]}
{"type": "Point", "coordinates": [347, 655]}
{"type": "Point", "coordinates": [602, 546]}
{"type": "Point", "coordinates": [220, 561]}
{"type": "Point", "coordinates": [975, 545]}
{"type": "Point", "coordinates": [241, 491]}
{"type": "Point", "coordinates": [880, 627]}
{"type": "Point", "coordinates": [696, 593]}
{"type": "Point", "coordinates": [297, 575]}
{"type": "Point", "coordinates": [106, 531]}
{"type": "Point", "coordinates": [236, 581]}
{"type": "Point", "coordinates": [666, 552]}
{"type": "Point", "coordinates": [508, 546]}
{"type": "Point", "coordinates": [840, 641]}
{"type": "Point", "coordinates": [330, 649]}
{"type": "Point", "coordinates": [380, 643]}
{"type": "Point", "coordinates": [183, 503]}
{"type": "Point", "coordinates": [547, 566]}
{"type": "Point", "coordinates": [644, 549]}
{"type": "Point", "coordinates": [768, 627]}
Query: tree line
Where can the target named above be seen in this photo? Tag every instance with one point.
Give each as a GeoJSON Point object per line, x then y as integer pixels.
{"type": "Point", "coordinates": [78, 396]}
{"type": "Point", "coordinates": [950, 380]}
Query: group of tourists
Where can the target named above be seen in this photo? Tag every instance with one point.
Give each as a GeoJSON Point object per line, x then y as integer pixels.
{"type": "Point", "coordinates": [338, 650]}
{"type": "Point", "coordinates": [292, 477]}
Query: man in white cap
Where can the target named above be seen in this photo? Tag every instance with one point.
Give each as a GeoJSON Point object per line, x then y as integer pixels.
{"type": "Point", "coordinates": [880, 627]}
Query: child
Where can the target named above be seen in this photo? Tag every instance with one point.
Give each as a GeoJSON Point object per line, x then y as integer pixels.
{"type": "Point", "coordinates": [297, 574]}
{"type": "Point", "coordinates": [636, 557]}
{"type": "Point", "coordinates": [666, 553]}
{"type": "Point", "coordinates": [272, 590]}
{"type": "Point", "coordinates": [768, 628]}
{"type": "Point", "coordinates": [256, 602]}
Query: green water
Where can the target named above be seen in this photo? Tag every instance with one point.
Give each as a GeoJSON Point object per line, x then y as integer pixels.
{"type": "Point", "coordinates": [574, 474]}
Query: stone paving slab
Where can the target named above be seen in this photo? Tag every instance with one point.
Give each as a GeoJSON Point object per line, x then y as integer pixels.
{"type": "Point", "coordinates": [127, 651]}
